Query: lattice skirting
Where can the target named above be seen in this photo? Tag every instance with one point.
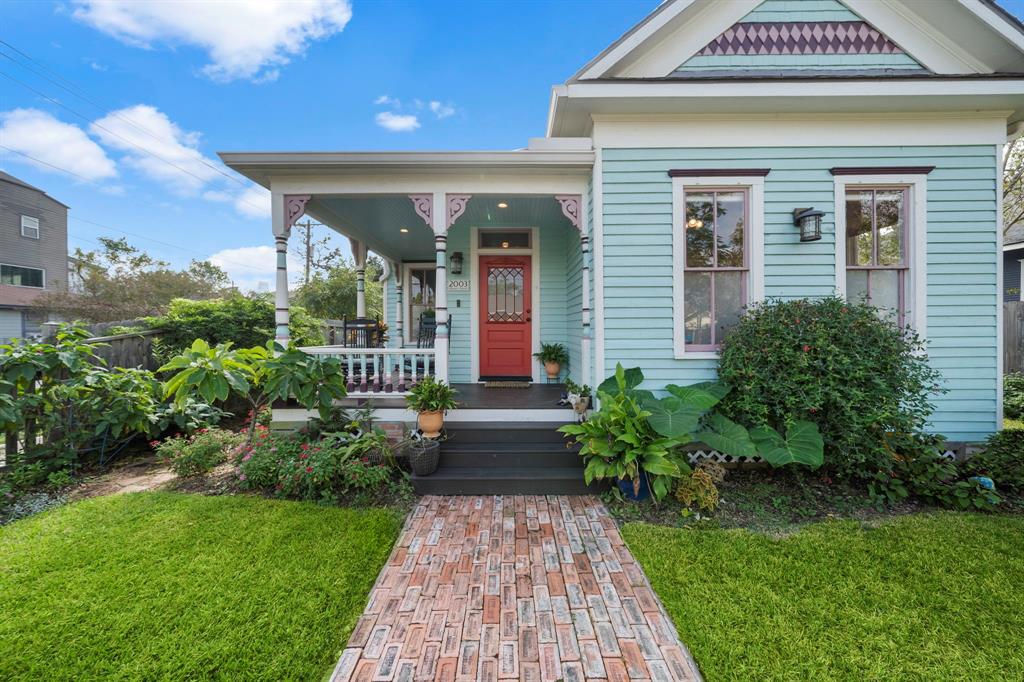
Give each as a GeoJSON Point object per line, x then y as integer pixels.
{"type": "Point", "coordinates": [953, 451]}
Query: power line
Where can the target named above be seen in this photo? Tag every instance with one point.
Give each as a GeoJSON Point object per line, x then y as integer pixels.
{"type": "Point", "coordinates": [156, 156]}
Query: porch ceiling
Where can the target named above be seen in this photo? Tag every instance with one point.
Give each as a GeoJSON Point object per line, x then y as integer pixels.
{"type": "Point", "coordinates": [378, 220]}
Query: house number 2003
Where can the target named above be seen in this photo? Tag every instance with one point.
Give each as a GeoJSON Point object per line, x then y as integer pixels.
{"type": "Point", "coordinates": [459, 284]}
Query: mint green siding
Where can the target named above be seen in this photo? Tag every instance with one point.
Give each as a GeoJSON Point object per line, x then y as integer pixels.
{"type": "Point", "coordinates": [799, 10]}
{"type": "Point", "coordinates": [962, 254]}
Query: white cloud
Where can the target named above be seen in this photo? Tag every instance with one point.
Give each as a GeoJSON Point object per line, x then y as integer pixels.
{"type": "Point", "coordinates": [397, 123]}
{"type": "Point", "coordinates": [173, 159]}
{"type": "Point", "coordinates": [37, 134]}
{"type": "Point", "coordinates": [247, 266]}
{"type": "Point", "coordinates": [441, 110]}
{"type": "Point", "coordinates": [253, 202]}
{"type": "Point", "coordinates": [243, 39]}
{"type": "Point", "coordinates": [388, 101]}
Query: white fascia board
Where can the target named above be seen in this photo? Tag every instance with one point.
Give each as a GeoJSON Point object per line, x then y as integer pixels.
{"type": "Point", "coordinates": [361, 161]}
{"type": "Point", "coordinates": [1014, 247]}
{"type": "Point", "coordinates": [605, 61]}
{"type": "Point", "coordinates": [919, 39]}
{"type": "Point", "coordinates": [788, 130]}
{"type": "Point", "coordinates": [996, 22]}
{"type": "Point", "coordinates": [369, 184]}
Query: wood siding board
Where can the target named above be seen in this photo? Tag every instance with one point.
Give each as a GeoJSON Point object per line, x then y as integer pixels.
{"type": "Point", "coordinates": [962, 253]}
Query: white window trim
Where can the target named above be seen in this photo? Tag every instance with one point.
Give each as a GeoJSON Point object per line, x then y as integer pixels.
{"type": "Point", "coordinates": [25, 267]}
{"type": "Point", "coordinates": [407, 269]}
{"type": "Point", "coordinates": [755, 249]}
{"type": "Point", "coordinates": [917, 241]}
{"type": "Point", "coordinates": [27, 218]}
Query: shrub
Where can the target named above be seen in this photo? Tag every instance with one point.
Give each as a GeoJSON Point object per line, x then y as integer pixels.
{"type": "Point", "coordinates": [837, 364]}
{"type": "Point", "coordinates": [199, 453]}
{"type": "Point", "coordinates": [243, 321]}
{"type": "Point", "coordinates": [1002, 459]}
{"type": "Point", "coordinates": [1013, 396]}
{"type": "Point", "coordinates": [698, 489]}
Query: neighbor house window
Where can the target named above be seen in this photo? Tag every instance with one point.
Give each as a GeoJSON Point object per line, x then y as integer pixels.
{"type": "Point", "coordinates": [716, 267]}
{"type": "Point", "coordinates": [421, 296]}
{"type": "Point", "coordinates": [29, 227]}
{"type": "Point", "coordinates": [16, 275]}
{"type": "Point", "coordinates": [876, 248]}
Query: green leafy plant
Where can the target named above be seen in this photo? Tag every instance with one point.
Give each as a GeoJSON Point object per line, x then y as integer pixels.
{"type": "Point", "coordinates": [1002, 459]}
{"type": "Point", "coordinates": [572, 387]}
{"type": "Point", "coordinates": [1013, 395]}
{"type": "Point", "coordinates": [853, 373]}
{"type": "Point", "coordinates": [200, 452]}
{"type": "Point", "coordinates": [431, 395]}
{"type": "Point", "coordinates": [553, 352]}
{"type": "Point", "coordinates": [188, 416]}
{"type": "Point", "coordinates": [258, 375]}
{"type": "Point", "coordinates": [802, 444]}
{"type": "Point", "coordinates": [698, 489]}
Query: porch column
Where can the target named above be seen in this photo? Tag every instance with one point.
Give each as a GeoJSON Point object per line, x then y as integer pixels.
{"type": "Point", "coordinates": [396, 268]}
{"type": "Point", "coordinates": [359, 254]}
{"type": "Point", "coordinates": [572, 205]}
{"type": "Point", "coordinates": [285, 210]}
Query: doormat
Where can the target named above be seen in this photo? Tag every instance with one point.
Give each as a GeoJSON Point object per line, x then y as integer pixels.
{"type": "Point", "coordinates": [506, 384]}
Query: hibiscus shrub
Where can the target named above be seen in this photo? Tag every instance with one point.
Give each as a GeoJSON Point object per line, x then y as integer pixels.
{"type": "Point", "coordinates": [843, 366]}
{"type": "Point", "coordinates": [198, 453]}
{"type": "Point", "coordinates": [289, 465]}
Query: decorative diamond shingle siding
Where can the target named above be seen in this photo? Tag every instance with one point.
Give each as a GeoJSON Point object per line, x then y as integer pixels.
{"type": "Point", "coordinates": [801, 37]}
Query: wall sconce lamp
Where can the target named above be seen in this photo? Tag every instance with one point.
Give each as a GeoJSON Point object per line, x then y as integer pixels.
{"type": "Point", "coordinates": [809, 222]}
{"type": "Point", "coordinates": [456, 264]}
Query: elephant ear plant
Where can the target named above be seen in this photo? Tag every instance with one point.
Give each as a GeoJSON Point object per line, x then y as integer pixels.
{"type": "Point", "coordinates": [636, 434]}
{"type": "Point", "coordinates": [258, 375]}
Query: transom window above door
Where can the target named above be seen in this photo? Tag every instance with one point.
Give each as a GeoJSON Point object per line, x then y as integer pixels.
{"type": "Point", "coordinates": [876, 248]}
{"type": "Point", "coordinates": [504, 239]}
{"type": "Point", "coordinates": [716, 266]}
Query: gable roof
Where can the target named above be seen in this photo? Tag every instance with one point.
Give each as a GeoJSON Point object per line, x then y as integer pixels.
{"type": "Point", "coordinates": [7, 177]}
{"type": "Point", "coordinates": [950, 38]}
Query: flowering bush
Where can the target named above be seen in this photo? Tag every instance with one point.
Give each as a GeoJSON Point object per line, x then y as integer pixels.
{"type": "Point", "coordinates": [200, 452]}
{"type": "Point", "coordinates": [290, 466]}
{"type": "Point", "coordinates": [839, 365]}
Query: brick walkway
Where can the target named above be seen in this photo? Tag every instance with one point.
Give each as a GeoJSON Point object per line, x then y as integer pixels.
{"type": "Point", "coordinates": [506, 588]}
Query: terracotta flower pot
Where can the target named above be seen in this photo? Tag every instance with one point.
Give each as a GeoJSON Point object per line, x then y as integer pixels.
{"type": "Point", "coordinates": [552, 368]}
{"type": "Point", "coordinates": [431, 423]}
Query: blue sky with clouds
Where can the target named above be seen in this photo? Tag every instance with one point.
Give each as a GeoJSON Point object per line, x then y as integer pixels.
{"type": "Point", "coordinates": [101, 89]}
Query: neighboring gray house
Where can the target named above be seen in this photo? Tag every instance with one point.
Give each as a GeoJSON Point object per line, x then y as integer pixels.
{"type": "Point", "coordinates": [33, 254]}
{"type": "Point", "coordinates": [1013, 263]}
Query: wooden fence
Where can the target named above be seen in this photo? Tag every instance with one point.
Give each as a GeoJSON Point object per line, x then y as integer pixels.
{"type": "Point", "coordinates": [1013, 336]}
{"type": "Point", "coordinates": [134, 349]}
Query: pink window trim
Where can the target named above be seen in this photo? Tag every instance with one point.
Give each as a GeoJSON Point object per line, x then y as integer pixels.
{"type": "Point", "coordinates": [903, 268]}
{"type": "Point", "coordinates": [712, 347]}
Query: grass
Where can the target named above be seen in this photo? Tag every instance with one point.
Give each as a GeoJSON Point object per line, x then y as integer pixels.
{"type": "Point", "coordinates": [923, 597]}
{"type": "Point", "coordinates": [166, 586]}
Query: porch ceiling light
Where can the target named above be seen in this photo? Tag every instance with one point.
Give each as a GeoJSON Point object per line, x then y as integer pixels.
{"type": "Point", "coordinates": [502, 204]}
{"type": "Point", "coordinates": [456, 263]}
{"type": "Point", "coordinates": [809, 222]}
{"type": "Point", "coordinates": [404, 230]}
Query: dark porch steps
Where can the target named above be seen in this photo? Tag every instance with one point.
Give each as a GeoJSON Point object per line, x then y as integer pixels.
{"type": "Point", "coordinates": [506, 459]}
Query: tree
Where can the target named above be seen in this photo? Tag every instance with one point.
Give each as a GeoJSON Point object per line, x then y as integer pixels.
{"type": "Point", "coordinates": [121, 282]}
{"type": "Point", "coordinates": [1013, 184]}
{"type": "Point", "coordinates": [316, 254]}
{"type": "Point", "coordinates": [332, 295]}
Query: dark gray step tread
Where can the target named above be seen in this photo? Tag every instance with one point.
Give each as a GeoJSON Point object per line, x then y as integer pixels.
{"type": "Point", "coordinates": [506, 473]}
{"type": "Point", "coordinates": [502, 447]}
{"type": "Point", "coordinates": [504, 426]}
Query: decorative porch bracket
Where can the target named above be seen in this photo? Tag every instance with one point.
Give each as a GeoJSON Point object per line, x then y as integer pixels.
{"type": "Point", "coordinates": [456, 204]}
{"type": "Point", "coordinates": [423, 204]}
{"type": "Point", "coordinates": [570, 204]}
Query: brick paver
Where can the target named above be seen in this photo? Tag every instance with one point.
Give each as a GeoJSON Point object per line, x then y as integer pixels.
{"type": "Point", "coordinates": [513, 588]}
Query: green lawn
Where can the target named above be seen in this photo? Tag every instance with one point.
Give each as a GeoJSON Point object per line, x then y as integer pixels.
{"type": "Point", "coordinates": [925, 597]}
{"type": "Point", "coordinates": [165, 586]}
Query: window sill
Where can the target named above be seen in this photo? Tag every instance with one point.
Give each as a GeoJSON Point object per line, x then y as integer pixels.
{"type": "Point", "coordinates": [698, 355]}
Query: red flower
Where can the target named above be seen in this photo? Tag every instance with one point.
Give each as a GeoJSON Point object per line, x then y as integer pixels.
{"type": "Point", "coordinates": [806, 348]}
{"type": "Point", "coordinates": [304, 446]}
{"type": "Point", "coordinates": [309, 470]}
{"type": "Point", "coordinates": [304, 456]}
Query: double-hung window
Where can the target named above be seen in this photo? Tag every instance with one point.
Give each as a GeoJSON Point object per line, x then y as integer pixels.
{"type": "Point", "coordinates": [19, 276]}
{"type": "Point", "coordinates": [29, 227]}
{"type": "Point", "coordinates": [422, 291]}
{"type": "Point", "coordinates": [717, 236]}
{"type": "Point", "coordinates": [877, 263]}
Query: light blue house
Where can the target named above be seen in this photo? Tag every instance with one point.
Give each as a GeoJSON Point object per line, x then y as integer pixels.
{"type": "Point", "coordinates": [661, 201]}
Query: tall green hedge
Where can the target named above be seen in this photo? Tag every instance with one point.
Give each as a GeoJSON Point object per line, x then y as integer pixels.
{"type": "Point", "coordinates": [245, 321]}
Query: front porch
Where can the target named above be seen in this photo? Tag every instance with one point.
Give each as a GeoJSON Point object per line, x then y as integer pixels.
{"type": "Point", "coordinates": [486, 256]}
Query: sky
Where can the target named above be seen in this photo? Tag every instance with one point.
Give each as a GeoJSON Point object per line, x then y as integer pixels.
{"type": "Point", "coordinates": [118, 108]}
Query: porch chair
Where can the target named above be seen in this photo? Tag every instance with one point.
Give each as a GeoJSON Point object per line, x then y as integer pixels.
{"type": "Point", "coordinates": [425, 339]}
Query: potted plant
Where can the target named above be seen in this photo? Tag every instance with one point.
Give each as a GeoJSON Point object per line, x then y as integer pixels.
{"type": "Point", "coordinates": [431, 399]}
{"type": "Point", "coordinates": [553, 355]}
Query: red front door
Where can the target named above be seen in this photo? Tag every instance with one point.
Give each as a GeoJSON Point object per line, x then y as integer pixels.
{"type": "Point", "coordinates": [506, 327]}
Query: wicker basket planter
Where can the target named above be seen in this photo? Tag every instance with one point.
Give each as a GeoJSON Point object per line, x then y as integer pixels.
{"type": "Point", "coordinates": [424, 456]}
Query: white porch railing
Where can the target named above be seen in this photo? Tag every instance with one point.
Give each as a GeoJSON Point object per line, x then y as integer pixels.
{"type": "Point", "coordinates": [380, 370]}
